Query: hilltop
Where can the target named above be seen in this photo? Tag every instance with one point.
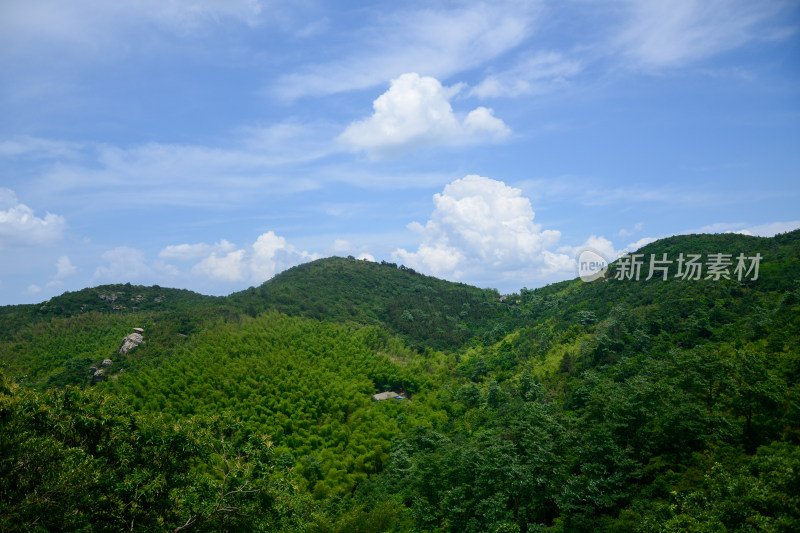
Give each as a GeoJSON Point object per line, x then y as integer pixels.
{"type": "Point", "coordinates": [427, 311]}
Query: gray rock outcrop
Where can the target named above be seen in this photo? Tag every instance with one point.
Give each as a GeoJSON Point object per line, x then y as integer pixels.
{"type": "Point", "coordinates": [130, 342]}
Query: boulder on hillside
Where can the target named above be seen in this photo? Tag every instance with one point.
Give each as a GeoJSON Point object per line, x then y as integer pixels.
{"type": "Point", "coordinates": [106, 363]}
{"type": "Point", "coordinates": [130, 342]}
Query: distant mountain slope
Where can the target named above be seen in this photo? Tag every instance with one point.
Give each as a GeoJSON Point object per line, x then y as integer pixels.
{"type": "Point", "coordinates": [778, 272]}
{"type": "Point", "coordinates": [110, 299]}
{"type": "Point", "coordinates": [38, 340]}
{"type": "Point", "coordinates": [675, 311]}
{"type": "Point", "coordinates": [426, 311]}
{"type": "Point", "coordinates": [56, 342]}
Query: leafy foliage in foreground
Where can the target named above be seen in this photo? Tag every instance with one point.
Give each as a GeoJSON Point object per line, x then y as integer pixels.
{"type": "Point", "coordinates": [73, 460]}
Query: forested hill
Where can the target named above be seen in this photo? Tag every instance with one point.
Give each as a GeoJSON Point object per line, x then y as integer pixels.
{"type": "Point", "coordinates": [427, 311]}
{"type": "Point", "coordinates": [105, 299]}
{"type": "Point", "coordinates": [662, 397]}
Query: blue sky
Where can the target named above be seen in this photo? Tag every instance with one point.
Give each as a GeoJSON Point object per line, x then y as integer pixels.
{"type": "Point", "coordinates": [212, 144]}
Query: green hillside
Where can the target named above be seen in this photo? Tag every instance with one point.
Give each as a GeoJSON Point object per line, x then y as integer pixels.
{"type": "Point", "coordinates": [426, 311]}
{"type": "Point", "coordinates": [622, 404]}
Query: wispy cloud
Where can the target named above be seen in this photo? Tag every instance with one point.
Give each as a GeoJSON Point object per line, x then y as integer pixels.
{"type": "Point", "coordinates": [672, 34]}
{"type": "Point", "coordinates": [627, 233]}
{"type": "Point", "coordinates": [33, 147]}
{"type": "Point", "coordinates": [541, 72]}
{"type": "Point", "coordinates": [51, 47]}
{"type": "Point", "coordinates": [92, 25]}
{"type": "Point", "coordinates": [178, 174]}
{"type": "Point", "coordinates": [434, 42]}
{"type": "Point", "coordinates": [256, 162]}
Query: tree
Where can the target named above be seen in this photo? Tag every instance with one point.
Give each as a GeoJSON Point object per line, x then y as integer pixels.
{"type": "Point", "coordinates": [75, 460]}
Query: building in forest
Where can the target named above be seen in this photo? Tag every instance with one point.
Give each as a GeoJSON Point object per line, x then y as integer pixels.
{"type": "Point", "coordinates": [387, 395]}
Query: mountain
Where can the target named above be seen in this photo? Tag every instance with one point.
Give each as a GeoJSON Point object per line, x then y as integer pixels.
{"type": "Point", "coordinates": [657, 399]}
{"type": "Point", "coordinates": [426, 311]}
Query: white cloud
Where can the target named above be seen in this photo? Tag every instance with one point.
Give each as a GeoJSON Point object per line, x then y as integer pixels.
{"type": "Point", "coordinates": [479, 227]}
{"type": "Point", "coordinates": [481, 121]}
{"type": "Point", "coordinates": [270, 254]}
{"type": "Point", "coordinates": [34, 289]}
{"type": "Point", "coordinates": [671, 34]}
{"type": "Point", "coordinates": [594, 243]}
{"type": "Point", "coordinates": [416, 111]}
{"type": "Point", "coordinates": [19, 227]}
{"type": "Point", "coordinates": [597, 244]}
{"type": "Point", "coordinates": [64, 268]}
{"type": "Point", "coordinates": [189, 252]}
{"type": "Point", "coordinates": [124, 264]}
{"type": "Point", "coordinates": [228, 267]}
{"type": "Point", "coordinates": [435, 41]}
{"type": "Point", "coordinates": [267, 256]}
{"type": "Point", "coordinates": [536, 74]}
{"type": "Point", "coordinates": [632, 247]}
{"type": "Point", "coordinates": [215, 266]}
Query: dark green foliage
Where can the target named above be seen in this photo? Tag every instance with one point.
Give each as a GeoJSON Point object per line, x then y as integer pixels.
{"type": "Point", "coordinates": [426, 311]}
{"type": "Point", "coordinates": [105, 299]}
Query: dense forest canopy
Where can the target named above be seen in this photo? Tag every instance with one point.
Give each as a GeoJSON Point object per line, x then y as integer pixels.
{"type": "Point", "coordinates": [625, 404]}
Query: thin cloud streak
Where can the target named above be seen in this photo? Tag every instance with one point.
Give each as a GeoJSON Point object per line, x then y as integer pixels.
{"type": "Point", "coordinates": [435, 43]}
{"type": "Point", "coordinates": [672, 34]}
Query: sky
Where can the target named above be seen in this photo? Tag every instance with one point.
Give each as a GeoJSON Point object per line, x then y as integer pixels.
{"type": "Point", "coordinates": [211, 144]}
